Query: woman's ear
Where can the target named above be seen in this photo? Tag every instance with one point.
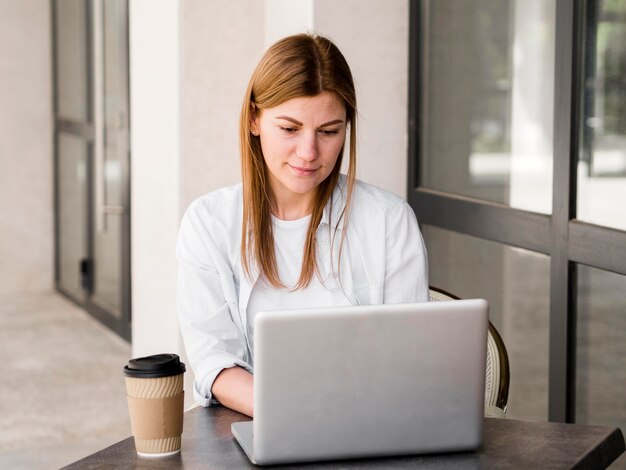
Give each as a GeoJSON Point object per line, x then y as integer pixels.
{"type": "Point", "coordinates": [254, 120]}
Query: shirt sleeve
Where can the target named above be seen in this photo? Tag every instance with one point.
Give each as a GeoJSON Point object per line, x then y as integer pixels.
{"type": "Point", "coordinates": [212, 340]}
{"type": "Point", "coordinates": [406, 263]}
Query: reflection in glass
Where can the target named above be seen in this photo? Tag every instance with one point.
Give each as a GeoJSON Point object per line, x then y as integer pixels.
{"type": "Point", "coordinates": [108, 238]}
{"type": "Point", "coordinates": [516, 283]}
{"type": "Point", "coordinates": [602, 161]}
{"type": "Point", "coordinates": [487, 102]}
{"type": "Point", "coordinates": [108, 266]}
{"type": "Point", "coordinates": [601, 350]}
{"type": "Point", "coordinates": [601, 356]}
{"type": "Point", "coordinates": [72, 187]}
{"type": "Point", "coordinates": [115, 70]}
{"type": "Point", "coordinates": [72, 59]}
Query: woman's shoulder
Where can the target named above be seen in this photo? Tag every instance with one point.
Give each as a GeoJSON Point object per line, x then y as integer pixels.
{"type": "Point", "coordinates": [210, 227]}
{"type": "Point", "coordinates": [219, 208]}
{"type": "Point", "coordinates": [374, 210]}
{"type": "Point", "coordinates": [370, 197]}
{"type": "Point", "coordinates": [220, 200]}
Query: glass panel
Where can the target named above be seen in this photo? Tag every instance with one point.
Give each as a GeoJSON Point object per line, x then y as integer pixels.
{"type": "Point", "coordinates": [487, 101]}
{"type": "Point", "coordinates": [601, 349]}
{"type": "Point", "coordinates": [72, 190]}
{"type": "Point", "coordinates": [71, 59]}
{"type": "Point", "coordinates": [516, 283]}
{"type": "Point", "coordinates": [108, 266]}
{"type": "Point", "coordinates": [602, 161]}
{"type": "Point", "coordinates": [115, 39]}
{"type": "Point", "coordinates": [108, 242]}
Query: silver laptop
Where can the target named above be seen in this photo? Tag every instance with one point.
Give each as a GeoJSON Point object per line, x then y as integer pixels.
{"type": "Point", "coordinates": [367, 381]}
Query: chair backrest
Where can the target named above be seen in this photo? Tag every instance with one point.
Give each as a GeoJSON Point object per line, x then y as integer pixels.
{"type": "Point", "coordinates": [497, 376]}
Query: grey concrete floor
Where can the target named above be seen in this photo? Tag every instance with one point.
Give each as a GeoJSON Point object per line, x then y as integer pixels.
{"type": "Point", "coordinates": [62, 395]}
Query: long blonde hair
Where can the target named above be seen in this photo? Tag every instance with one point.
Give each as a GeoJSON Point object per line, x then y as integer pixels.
{"type": "Point", "coordinates": [296, 66]}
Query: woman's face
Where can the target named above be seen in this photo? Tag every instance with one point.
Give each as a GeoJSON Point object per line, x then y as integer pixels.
{"type": "Point", "coordinates": [301, 139]}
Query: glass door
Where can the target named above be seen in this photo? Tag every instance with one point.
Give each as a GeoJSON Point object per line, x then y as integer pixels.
{"type": "Point", "coordinates": [92, 157]}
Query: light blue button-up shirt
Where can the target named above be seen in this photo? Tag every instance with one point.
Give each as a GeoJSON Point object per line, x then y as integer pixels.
{"type": "Point", "coordinates": [383, 261]}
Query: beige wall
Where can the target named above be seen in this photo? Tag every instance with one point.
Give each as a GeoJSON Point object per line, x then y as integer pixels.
{"type": "Point", "coordinates": [220, 43]}
{"type": "Point", "coordinates": [155, 163]}
{"type": "Point", "coordinates": [374, 37]}
{"type": "Point", "coordinates": [26, 194]}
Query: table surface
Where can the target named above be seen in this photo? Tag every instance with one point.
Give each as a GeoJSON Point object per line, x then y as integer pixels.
{"type": "Point", "coordinates": [209, 443]}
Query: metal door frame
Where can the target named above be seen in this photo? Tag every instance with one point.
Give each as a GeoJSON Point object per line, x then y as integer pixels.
{"type": "Point", "coordinates": [86, 131]}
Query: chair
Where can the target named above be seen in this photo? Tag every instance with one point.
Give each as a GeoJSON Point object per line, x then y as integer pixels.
{"type": "Point", "coordinates": [497, 377]}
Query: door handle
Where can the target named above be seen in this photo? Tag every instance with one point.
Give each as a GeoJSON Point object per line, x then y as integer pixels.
{"type": "Point", "coordinates": [108, 209]}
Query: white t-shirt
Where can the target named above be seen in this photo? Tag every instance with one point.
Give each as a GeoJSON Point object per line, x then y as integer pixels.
{"type": "Point", "coordinates": [289, 239]}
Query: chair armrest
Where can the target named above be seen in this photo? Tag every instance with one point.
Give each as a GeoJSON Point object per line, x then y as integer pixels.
{"type": "Point", "coordinates": [494, 412]}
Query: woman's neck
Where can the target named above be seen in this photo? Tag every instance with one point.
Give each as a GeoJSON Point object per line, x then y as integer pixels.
{"type": "Point", "coordinates": [292, 206]}
{"type": "Point", "coordinates": [286, 212]}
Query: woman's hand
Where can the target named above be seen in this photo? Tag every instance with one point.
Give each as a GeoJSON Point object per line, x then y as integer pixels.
{"type": "Point", "coordinates": [233, 389]}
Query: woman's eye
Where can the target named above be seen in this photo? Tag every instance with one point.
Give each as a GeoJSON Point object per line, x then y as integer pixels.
{"type": "Point", "coordinates": [288, 130]}
{"type": "Point", "coordinates": [329, 132]}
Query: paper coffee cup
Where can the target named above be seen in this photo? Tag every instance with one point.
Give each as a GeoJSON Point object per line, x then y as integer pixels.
{"type": "Point", "coordinates": [154, 390]}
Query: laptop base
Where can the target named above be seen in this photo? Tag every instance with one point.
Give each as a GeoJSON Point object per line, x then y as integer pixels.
{"type": "Point", "coordinates": [243, 433]}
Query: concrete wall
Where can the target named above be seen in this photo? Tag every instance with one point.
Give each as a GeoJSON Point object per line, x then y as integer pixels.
{"type": "Point", "coordinates": [220, 43]}
{"type": "Point", "coordinates": [26, 194]}
{"type": "Point", "coordinates": [155, 163]}
{"type": "Point", "coordinates": [374, 37]}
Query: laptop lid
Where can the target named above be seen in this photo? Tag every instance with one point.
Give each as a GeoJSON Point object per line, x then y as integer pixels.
{"type": "Point", "coordinates": [335, 383]}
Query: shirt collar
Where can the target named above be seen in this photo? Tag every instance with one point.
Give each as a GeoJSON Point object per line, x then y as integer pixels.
{"type": "Point", "coordinates": [332, 212]}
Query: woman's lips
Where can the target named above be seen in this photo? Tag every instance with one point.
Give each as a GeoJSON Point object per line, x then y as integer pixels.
{"type": "Point", "coordinates": [302, 171]}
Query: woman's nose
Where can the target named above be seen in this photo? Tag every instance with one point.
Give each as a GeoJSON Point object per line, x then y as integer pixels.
{"type": "Point", "coordinates": [307, 147]}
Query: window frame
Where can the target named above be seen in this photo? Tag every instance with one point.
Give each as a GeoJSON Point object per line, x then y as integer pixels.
{"type": "Point", "coordinates": [560, 235]}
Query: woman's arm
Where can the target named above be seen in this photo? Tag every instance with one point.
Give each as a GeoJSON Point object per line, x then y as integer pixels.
{"type": "Point", "coordinates": [213, 340]}
{"type": "Point", "coordinates": [233, 389]}
{"type": "Point", "coordinates": [406, 263]}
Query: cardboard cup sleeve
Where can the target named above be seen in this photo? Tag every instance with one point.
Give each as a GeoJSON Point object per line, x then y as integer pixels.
{"type": "Point", "coordinates": [156, 418]}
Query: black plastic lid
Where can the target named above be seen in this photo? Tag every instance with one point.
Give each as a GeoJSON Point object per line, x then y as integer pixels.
{"type": "Point", "coordinates": [159, 365]}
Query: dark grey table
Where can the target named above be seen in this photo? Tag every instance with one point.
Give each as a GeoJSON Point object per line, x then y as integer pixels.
{"type": "Point", "coordinates": [208, 443]}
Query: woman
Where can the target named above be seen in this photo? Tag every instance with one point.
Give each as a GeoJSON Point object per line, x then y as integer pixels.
{"type": "Point", "coordinates": [295, 232]}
